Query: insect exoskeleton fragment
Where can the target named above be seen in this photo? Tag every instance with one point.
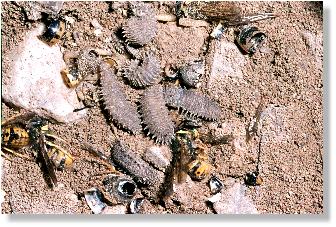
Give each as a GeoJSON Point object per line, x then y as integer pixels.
{"type": "Point", "coordinates": [53, 32]}
{"type": "Point", "coordinates": [250, 39]}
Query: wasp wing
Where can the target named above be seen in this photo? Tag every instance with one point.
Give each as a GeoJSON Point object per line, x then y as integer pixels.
{"type": "Point", "coordinates": [219, 10]}
{"type": "Point", "coordinates": [42, 149]}
{"type": "Point", "coordinates": [21, 118]}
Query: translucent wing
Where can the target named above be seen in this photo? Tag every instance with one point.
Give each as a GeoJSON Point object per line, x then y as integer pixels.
{"type": "Point", "coordinates": [220, 10]}
{"type": "Point", "coordinates": [42, 150]}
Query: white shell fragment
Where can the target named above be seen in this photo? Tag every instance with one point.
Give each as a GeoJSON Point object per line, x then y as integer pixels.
{"type": "Point", "coordinates": [96, 24]}
{"type": "Point", "coordinates": [215, 185]}
{"type": "Point", "coordinates": [93, 198]}
{"type": "Point", "coordinates": [33, 80]}
{"type": "Point", "coordinates": [135, 205]}
{"type": "Point", "coordinates": [142, 206]}
{"type": "Point", "coordinates": [215, 198]}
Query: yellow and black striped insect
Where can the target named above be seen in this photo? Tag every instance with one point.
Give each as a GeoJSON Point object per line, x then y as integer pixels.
{"type": "Point", "coordinates": [193, 155]}
{"type": "Point", "coordinates": [250, 39]}
{"type": "Point", "coordinates": [189, 158]}
{"type": "Point", "coordinates": [71, 77]}
{"type": "Point", "coordinates": [29, 129]}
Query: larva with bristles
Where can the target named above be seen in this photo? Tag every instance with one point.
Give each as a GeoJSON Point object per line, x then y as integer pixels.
{"type": "Point", "coordinates": [134, 165]}
{"type": "Point", "coordinates": [191, 73]}
{"type": "Point", "coordinates": [119, 108]}
{"type": "Point", "coordinates": [140, 9]}
{"type": "Point", "coordinates": [155, 114]}
{"type": "Point", "coordinates": [140, 30]}
{"type": "Point", "coordinates": [117, 45]}
{"type": "Point", "coordinates": [145, 74]}
{"type": "Point", "coordinates": [194, 103]}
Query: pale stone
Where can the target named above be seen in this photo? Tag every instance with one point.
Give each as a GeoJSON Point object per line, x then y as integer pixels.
{"type": "Point", "coordinates": [34, 82]}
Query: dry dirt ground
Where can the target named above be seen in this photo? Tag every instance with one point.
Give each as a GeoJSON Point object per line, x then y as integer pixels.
{"type": "Point", "coordinates": [288, 74]}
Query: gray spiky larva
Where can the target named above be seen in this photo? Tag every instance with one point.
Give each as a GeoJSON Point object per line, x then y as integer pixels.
{"type": "Point", "coordinates": [155, 114]}
{"type": "Point", "coordinates": [119, 108]}
{"type": "Point", "coordinates": [140, 30]}
{"type": "Point", "coordinates": [134, 165]}
{"type": "Point", "coordinates": [145, 74]}
{"type": "Point", "coordinates": [117, 44]}
{"type": "Point", "coordinates": [87, 61]}
{"type": "Point", "coordinates": [141, 9]}
{"type": "Point", "coordinates": [192, 102]}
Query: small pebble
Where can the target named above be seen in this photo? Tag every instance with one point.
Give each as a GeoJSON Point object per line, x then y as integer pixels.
{"type": "Point", "coordinates": [39, 89]}
{"type": "Point", "coordinates": [96, 24]}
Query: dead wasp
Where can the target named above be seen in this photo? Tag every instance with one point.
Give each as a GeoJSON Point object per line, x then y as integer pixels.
{"type": "Point", "coordinates": [189, 158]}
{"type": "Point", "coordinates": [194, 158]}
{"type": "Point", "coordinates": [116, 187]}
{"type": "Point", "coordinates": [54, 31]}
{"type": "Point", "coordinates": [61, 159]}
{"type": "Point", "coordinates": [71, 77]}
{"type": "Point", "coordinates": [29, 129]}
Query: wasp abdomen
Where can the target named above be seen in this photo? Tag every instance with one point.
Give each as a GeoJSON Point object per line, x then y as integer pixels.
{"type": "Point", "coordinates": [198, 169]}
{"type": "Point", "coordinates": [60, 159]}
{"type": "Point", "coordinates": [54, 32]}
{"type": "Point", "coordinates": [250, 39]}
{"type": "Point", "coordinates": [15, 137]}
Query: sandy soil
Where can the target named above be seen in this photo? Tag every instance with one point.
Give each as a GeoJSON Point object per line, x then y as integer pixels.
{"type": "Point", "coordinates": [288, 75]}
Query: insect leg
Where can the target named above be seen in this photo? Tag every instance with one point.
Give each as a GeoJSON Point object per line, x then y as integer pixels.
{"type": "Point", "coordinates": [6, 156]}
{"type": "Point", "coordinates": [104, 160]}
{"type": "Point", "coordinates": [17, 154]}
